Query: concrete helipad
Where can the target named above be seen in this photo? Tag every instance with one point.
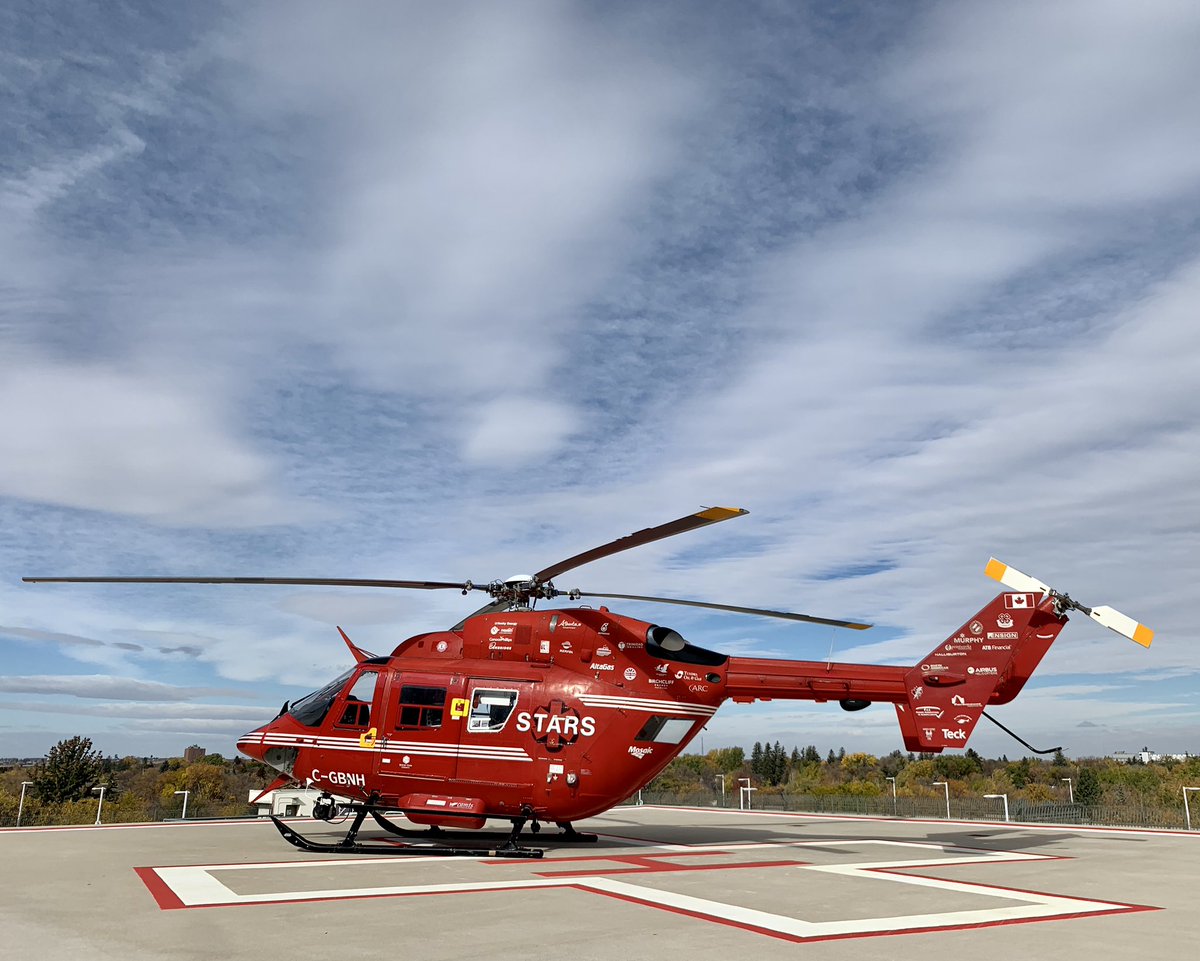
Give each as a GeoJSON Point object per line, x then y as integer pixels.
{"type": "Point", "coordinates": [681, 882]}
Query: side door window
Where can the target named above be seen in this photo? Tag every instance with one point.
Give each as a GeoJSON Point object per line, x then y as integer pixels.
{"type": "Point", "coordinates": [420, 707]}
{"type": "Point", "coordinates": [490, 709]}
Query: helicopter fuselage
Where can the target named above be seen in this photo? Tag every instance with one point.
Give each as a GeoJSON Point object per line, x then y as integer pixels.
{"type": "Point", "coordinates": [560, 713]}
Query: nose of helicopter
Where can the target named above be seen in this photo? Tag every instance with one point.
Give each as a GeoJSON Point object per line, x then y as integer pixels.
{"type": "Point", "coordinates": [268, 745]}
{"type": "Point", "coordinates": [251, 744]}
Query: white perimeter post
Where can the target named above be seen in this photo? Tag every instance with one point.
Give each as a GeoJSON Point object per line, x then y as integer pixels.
{"type": "Point", "coordinates": [1003, 797]}
{"type": "Point", "coordinates": [1187, 813]}
{"type": "Point", "coordinates": [945, 785]}
{"type": "Point", "coordinates": [21, 805]}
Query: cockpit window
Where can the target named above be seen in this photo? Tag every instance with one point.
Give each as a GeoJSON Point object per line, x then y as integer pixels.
{"type": "Point", "coordinates": [490, 709]}
{"type": "Point", "coordinates": [311, 710]}
{"type": "Point", "coordinates": [356, 712]}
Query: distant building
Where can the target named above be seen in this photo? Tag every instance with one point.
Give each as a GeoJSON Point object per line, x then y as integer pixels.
{"type": "Point", "coordinates": [8, 763]}
{"type": "Point", "coordinates": [1146, 756]}
{"type": "Point", "coordinates": [193, 754]}
{"type": "Point", "coordinates": [286, 802]}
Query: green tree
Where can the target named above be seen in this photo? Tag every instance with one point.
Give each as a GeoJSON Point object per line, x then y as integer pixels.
{"type": "Point", "coordinates": [956, 766]}
{"type": "Point", "coordinates": [727, 759]}
{"type": "Point", "coordinates": [1021, 772]}
{"type": "Point", "coordinates": [1087, 787]}
{"type": "Point", "coordinates": [69, 771]}
{"type": "Point", "coordinates": [777, 765]}
{"type": "Point", "coordinates": [859, 765]}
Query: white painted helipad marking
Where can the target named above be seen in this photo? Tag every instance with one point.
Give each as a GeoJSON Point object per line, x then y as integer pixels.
{"type": "Point", "coordinates": [198, 886]}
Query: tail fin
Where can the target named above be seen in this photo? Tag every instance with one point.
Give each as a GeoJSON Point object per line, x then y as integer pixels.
{"type": "Point", "coordinates": [988, 660]}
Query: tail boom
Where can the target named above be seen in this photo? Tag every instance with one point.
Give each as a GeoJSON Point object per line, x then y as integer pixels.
{"type": "Point", "coordinates": [938, 702]}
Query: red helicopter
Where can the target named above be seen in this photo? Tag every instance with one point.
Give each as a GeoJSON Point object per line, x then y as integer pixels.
{"type": "Point", "coordinates": [557, 715]}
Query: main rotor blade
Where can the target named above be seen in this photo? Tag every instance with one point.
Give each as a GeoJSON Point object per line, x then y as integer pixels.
{"type": "Point", "coordinates": [761, 612]}
{"type": "Point", "coordinates": [294, 581]}
{"type": "Point", "coordinates": [710, 515]}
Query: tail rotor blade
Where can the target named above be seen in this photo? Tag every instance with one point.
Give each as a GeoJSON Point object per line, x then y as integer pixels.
{"type": "Point", "coordinates": [1123, 624]}
{"type": "Point", "coordinates": [1106, 616]}
{"type": "Point", "coordinates": [1013, 579]}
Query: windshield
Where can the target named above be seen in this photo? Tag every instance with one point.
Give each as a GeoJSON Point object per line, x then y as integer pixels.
{"type": "Point", "coordinates": [311, 710]}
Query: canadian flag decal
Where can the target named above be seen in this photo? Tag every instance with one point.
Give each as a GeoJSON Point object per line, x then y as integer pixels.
{"type": "Point", "coordinates": [1018, 601]}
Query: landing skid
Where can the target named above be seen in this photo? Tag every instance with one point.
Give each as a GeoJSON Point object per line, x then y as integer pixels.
{"type": "Point", "coordinates": [568, 834]}
{"type": "Point", "coordinates": [350, 844]}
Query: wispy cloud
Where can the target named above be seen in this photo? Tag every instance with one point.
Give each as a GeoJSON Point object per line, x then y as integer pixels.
{"type": "Point", "coordinates": [418, 292]}
{"type": "Point", "coordinates": [103, 686]}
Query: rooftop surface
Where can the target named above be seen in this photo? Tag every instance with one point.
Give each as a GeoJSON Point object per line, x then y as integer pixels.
{"type": "Point", "coordinates": [695, 883]}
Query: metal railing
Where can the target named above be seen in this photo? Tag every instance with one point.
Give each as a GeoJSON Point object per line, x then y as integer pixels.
{"type": "Point", "coordinates": [1135, 815]}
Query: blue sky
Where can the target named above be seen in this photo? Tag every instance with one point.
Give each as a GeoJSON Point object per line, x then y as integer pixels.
{"type": "Point", "coordinates": [455, 290]}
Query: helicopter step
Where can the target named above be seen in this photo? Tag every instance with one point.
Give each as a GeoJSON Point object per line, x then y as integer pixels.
{"type": "Point", "coordinates": [510, 848]}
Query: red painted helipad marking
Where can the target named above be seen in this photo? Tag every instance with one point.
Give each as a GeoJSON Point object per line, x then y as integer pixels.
{"type": "Point", "coordinates": [197, 886]}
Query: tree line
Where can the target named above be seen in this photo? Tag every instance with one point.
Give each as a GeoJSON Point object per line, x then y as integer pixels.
{"type": "Point", "coordinates": [66, 782]}
{"type": "Point", "coordinates": [774, 769]}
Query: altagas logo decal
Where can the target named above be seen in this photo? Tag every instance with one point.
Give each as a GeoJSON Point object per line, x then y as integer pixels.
{"type": "Point", "coordinates": [555, 725]}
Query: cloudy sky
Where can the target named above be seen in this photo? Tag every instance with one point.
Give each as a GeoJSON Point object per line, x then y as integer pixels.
{"type": "Point", "coordinates": [456, 290]}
